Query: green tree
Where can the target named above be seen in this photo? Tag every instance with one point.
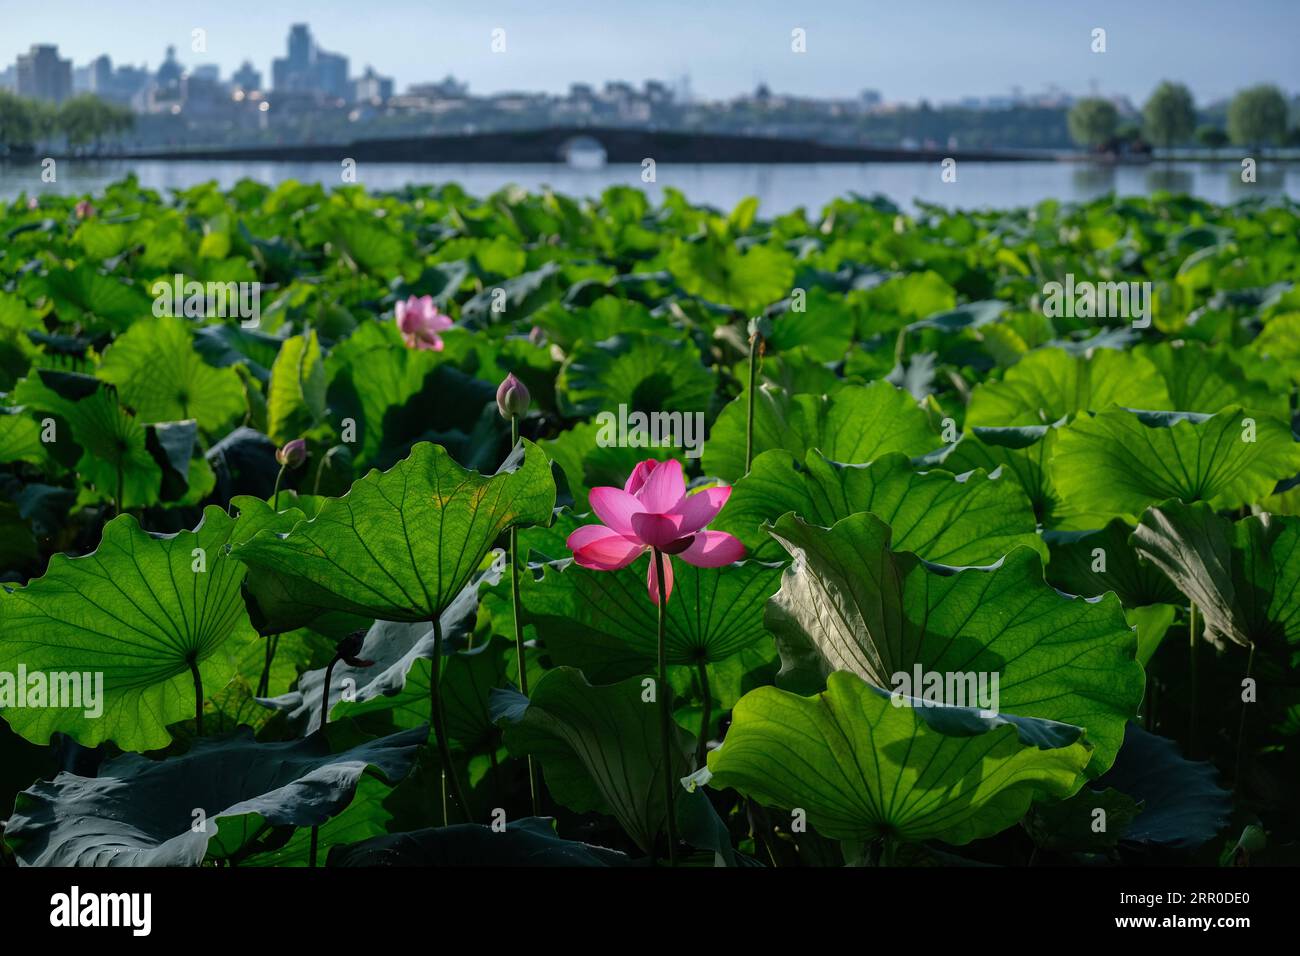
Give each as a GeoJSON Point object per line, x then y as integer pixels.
{"type": "Point", "coordinates": [1211, 137]}
{"type": "Point", "coordinates": [18, 128]}
{"type": "Point", "coordinates": [1257, 116]}
{"type": "Point", "coordinates": [1169, 116]}
{"type": "Point", "coordinates": [1093, 122]}
{"type": "Point", "coordinates": [88, 119]}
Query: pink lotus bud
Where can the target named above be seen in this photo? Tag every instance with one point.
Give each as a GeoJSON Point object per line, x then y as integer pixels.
{"type": "Point", "coordinates": [293, 454]}
{"type": "Point", "coordinates": [512, 397]}
{"type": "Point", "coordinates": [85, 209]}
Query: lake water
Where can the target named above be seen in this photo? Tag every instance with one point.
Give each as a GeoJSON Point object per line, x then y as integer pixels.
{"type": "Point", "coordinates": [779, 187]}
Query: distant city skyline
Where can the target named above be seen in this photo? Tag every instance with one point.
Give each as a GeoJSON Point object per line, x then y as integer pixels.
{"type": "Point", "coordinates": [941, 52]}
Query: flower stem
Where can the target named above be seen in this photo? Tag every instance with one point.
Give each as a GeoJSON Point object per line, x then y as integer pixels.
{"type": "Point", "coordinates": [439, 721]}
{"type": "Point", "coordinates": [519, 629]}
{"type": "Point", "coordinates": [755, 352]}
{"type": "Point", "coordinates": [1241, 725]}
{"type": "Point", "coordinates": [198, 697]}
{"type": "Point", "coordinates": [264, 682]}
{"type": "Point", "coordinates": [664, 692]}
{"type": "Point", "coordinates": [1191, 677]}
{"type": "Point", "coordinates": [275, 495]}
{"type": "Point", "coordinates": [324, 716]}
{"type": "Point", "coordinates": [702, 745]}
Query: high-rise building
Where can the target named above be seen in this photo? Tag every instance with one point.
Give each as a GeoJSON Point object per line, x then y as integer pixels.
{"type": "Point", "coordinates": [332, 74]}
{"type": "Point", "coordinates": [246, 78]}
{"type": "Point", "coordinates": [370, 87]}
{"type": "Point", "coordinates": [41, 75]}
{"type": "Point", "coordinates": [309, 69]}
{"type": "Point", "coordinates": [101, 75]}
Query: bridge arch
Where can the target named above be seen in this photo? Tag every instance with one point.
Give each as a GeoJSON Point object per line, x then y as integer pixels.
{"type": "Point", "coordinates": [582, 151]}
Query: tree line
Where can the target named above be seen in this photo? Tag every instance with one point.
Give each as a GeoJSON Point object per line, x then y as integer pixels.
{"type": "Point", "coordinates": [83, 120]}
{"type": "Point", "coordinates": [1257, 117]}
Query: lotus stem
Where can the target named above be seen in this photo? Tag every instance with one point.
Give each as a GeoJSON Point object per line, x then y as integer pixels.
{"type": "Point", "coordinates": [664, 693]}
{"type": "Point", "coordinates": [198, 697]}
{"type": "Point", "coordinates": [324, 718]}
{"type": "Point", "coordinates": [519, 630]}
{"type": "Point", "coordinates": [439, 720]}
{"type": "Point", "coordinates": [702, 745]}
{"type": "Point", "coordinates": [1241, 724]}
{"type": "Point", "coordinates": [1191, 677]}
{"type": "Point", "coordinates": [264, 682]}
{"type": "Point", "coordinates": [755, 352]}
{"type": "Point", "coordinates": [275, 495]}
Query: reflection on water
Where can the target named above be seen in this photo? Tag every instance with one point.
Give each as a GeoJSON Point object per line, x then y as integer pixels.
{"type": "Point", "coordinates": [1170, 178]}
{"type": "Point", "coordinates": [779, 187]}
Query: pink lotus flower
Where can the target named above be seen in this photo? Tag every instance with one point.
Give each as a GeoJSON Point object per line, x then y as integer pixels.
{"type": "Point", "coordinates": [85, 209]}
{"type": "Point", "coordinates": [419, 321]}
{"type": "Point", "coordinates": [652, 511]}
{"type": "Point", "coordinates": [33, 202]}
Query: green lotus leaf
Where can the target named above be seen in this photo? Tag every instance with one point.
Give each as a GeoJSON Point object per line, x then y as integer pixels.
{"type": "Point", "coordinates": [598, 746]}
{"type": "Point", "coordinates": [1182, 804]}
{"type": "Point", "coordinates": [1200, 378]}
{"type": "Point", "coordinates": [528, 842]}
{"type": "Point", "coordinates": [400, 545]}
{"type": "Point", "coordinates": [824, 328]}
{"type": "Point", "coordinates": [20, 438]}
{"type": "Point", "coordinates": [849, 602]}
{"type": "Point", "coordinates": [398, 396]}
{"type": "Point", "coordinates": [1089, 563]}
{"type": "Point", "coordinates": [365, 818]}
{"type": "Point", "coordinates": [746, 280]}
{"type": "Point", "coordinates": [957, 521]}
{"type": "Point", "coordinates": [854, 424]}
{"type": "Point", "coordinates": [140, 610]}
{"type": "Point", "coordinates": [865, 769]}
{"type": "Point", "coordinates": [1243, 577]}
{"type": "Point", "coordinates": [1118, 462]}
{"type": "Point", "coordinates": [398, 679]}
{"type": "Point", "coordinates": [159, 374]}
{"type": "Point", "coordinates": [1050, 384]}
{"type": "Point", "coordinates": [141, 812]}
{"type": "Point", "coordinates": [642, 371]}
{"type": "Point", "coordinates": [114, 446]}
{"type": "Point", "coordinates": [295, 399]}
{"type": "Point", "coordinates": [84, 294]}
{"type": "Point", "coordinates": [605, 623]}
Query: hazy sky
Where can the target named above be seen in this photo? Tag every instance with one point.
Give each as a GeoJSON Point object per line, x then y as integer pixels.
{"type": "Point", "coordinates": [907, 49]}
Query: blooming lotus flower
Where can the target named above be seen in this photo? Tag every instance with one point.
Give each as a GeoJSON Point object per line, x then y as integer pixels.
{"type": "Point", "coordinates": [84, 209]}
{"type": "Point", "coordinates": [419, 321]}
{"type": "Point", "coordinates": [653, 511]}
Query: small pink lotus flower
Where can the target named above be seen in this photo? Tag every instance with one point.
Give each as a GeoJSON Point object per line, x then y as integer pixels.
{"type": "Point", "coordinates": [293, 454]}
{"type": "Point", "coordinates": [33, 202]}
{"type": "Point", "coordinates": [84, 209]}
{"type": "Point", "coordinates": [653, 511]}
{"type": "Point", "coordinates": [419, 321]}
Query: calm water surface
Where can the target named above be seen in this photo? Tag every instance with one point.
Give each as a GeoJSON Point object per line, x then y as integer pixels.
{"type": "Point", "coordinates": [779, 188]}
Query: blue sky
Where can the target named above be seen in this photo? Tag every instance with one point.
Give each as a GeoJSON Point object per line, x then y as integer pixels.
{"type": "Point", "coordinates": [937, 49]}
